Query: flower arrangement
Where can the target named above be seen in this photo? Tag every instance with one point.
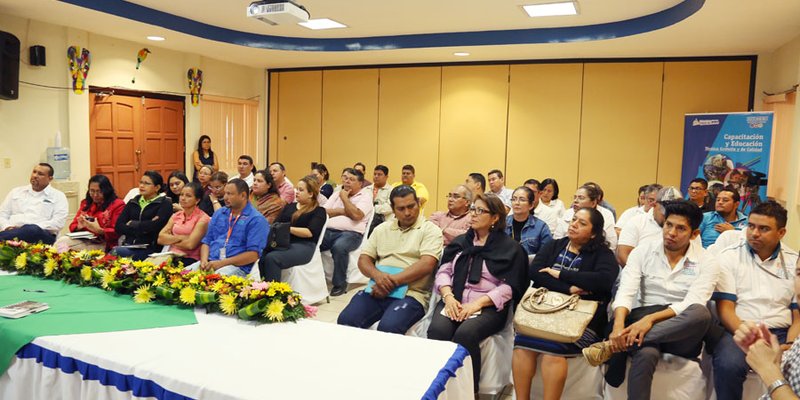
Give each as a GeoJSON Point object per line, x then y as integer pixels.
{"type": "Point", "coordinates": [168, 283]}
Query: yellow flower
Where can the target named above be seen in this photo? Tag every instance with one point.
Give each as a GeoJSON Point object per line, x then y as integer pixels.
{"type": "Point", "coordinates": [187, 295]}
{"type": "Point", "coordinates": [278, 287]}
{"type": "Point", "coordinates": [159, 280]}
{"type": "Point", "coordinates": [86, 274]}
{"type": "Point", "coordinates": [143, 294]}
{"type": "Point", "coordinates": [21, 261]}
{"type": "Point", "coordinates": [194, 280]}
{"type": "Point", "coordinates": [227, 303]}
{"type": "Point", "coordinates": [217, 286]}
{"type": "Point", "coordinates": [49, 266]}
{"type": "Point", "coordinates": [274, 311]}
{"type": "Point", "coordinates": [105, 279]}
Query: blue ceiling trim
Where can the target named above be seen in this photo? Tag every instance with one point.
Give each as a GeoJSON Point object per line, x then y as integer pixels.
{"type": "Point", "coordinates": [604, 31]}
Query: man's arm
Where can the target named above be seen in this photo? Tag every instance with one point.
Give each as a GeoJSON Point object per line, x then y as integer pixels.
{"type": "Point", "coordinates": [239, 260]}
{"type": "Point", "coordinates": [623, 251]}
{"type": "Point", "coordinates": [350, 209]}
{"type": "Point", "coordinates": [726, 309]}
{"type": "Point", "coordinates": [204, 250]}
{"type": "Point", "coordinates": [423, 267]}
{"type": "Point", "coordinates": [794, 329]}
{"type": "Point", "coordinates": [5, 212]}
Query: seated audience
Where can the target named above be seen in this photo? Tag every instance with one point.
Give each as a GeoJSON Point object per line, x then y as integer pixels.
{"type": "Point", "coordinates": [455, 221]}
{"type": "Point", "coordinates": [360, 167]}
{"type": "Point", "coordinates": [476, 182]}
{"type": "Point", "coordinates": [34, 213]}
{"type": "Point", "coordinates": [602, 201]}
{"type": "Point", "coordinates": [408, 243]}
{"type": "Point", "coordinates": [588, 196]}
{"type": "Point", "coordinates": [549, 198]}
{"type": "Point", "coordinates": [778, 372]}
{"type": "Point", "coordinates": [698, 194]}
{"type": "Point", "coordinates": [648, 226]}
{"type": "Point", "coordinates": [672, 280]}
{"type": "Point", "coordinates": [143, 218]}
{"type": "Point", "coordinates": [482, 275]}
{"type": "Point", "coordinates": [348, 211]}
{"type": "Point", "coordinates": [546, 214]}
{"type": "Point", "coordinates": [582, 264]}
{"type": "Point", "coordinates": [215, 198]}
{"type": "Point", "coordinates": [306, 219]}
{"type": "Point", "coordinates": [380, 196]}
{"type": "Point", "coordinates": [285, 188]}
{"type": "Point", "coordinates": [522, 225]}
{"type": "Point", "coordinates": [175, 183]}
{"type": "Point", "coordinates": [265, 197]}
{"type": "Point", "coordinates": [98, 214]}
{"type": "Point", "coordinates": [186, 228]}
{"type": "Point", "coordinates": [320, 171]}
{"type": "Point", "coordinates": [725, 216]}
{"type": "Point", "coordinates": [246, 169]}
{"type": "Point", "coordinates": [204, 178]}
{"type": "Point", "coordinates": [497, 186]}
{"type": "Point", "coordinates": [756, 283]}
{"type": "Point", "coordinates": [646, 199]}
{"type": "Point", "coordinates": [408, 178]}
{"type": "Point", "coordinates": [236, 236]}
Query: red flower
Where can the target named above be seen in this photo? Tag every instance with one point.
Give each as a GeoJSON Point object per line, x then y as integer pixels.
{"type": "Point", "coordinates": [213, 277]}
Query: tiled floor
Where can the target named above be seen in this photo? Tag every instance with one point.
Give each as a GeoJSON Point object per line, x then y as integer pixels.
{"type": "Point", "coordinates": [329, 312]}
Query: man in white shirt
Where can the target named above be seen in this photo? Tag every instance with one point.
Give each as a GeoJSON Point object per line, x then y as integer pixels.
{"type": "Point", "coordinates": [674, 281]}
{"type": "Point", "coordinates": [245, 168]}
{"type": "Point", "coordinates": [647, 200]}
{"type": "Point", "coordinates": [348, 212]}
{"type": "Point", "coordinates": [756, 284]}
{"type": "Point", "coordinates": [646, 227]}
{"type": "Point", "coordinates": [497, 185]}
{"type": "Point", "coordinates": [548, 215]}
{"type": "Point", "coordinates": [34, 213]}
{"type": "Point", "coordinates": [380, 196]}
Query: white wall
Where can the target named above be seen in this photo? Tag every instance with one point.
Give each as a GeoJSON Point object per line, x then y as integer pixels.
{"type": "Point", "coordinates": [28, 125]}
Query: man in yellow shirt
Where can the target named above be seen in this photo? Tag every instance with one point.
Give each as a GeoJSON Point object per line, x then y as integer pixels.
{"type": "Point", "coordinates": [408, 179]}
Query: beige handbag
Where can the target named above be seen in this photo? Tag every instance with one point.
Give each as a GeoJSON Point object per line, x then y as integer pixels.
{"type": "Point", "coordinates": [553, 316]}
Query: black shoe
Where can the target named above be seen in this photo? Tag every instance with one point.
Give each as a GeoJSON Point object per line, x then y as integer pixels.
{"type": "Point", "coordinates": [338, 290]}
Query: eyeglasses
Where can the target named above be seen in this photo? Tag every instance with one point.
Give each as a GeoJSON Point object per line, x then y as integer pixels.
{"type": "Point", "coordinates": [478, 210]}
{"type": "Point", "coordinates": [519, 199]}
{"type": "Point", "coordinates": [217, 188]}
{"type": "Point", "coordinates": [454, 196]}
{"type": "Point", "coordinates": [695, 188]}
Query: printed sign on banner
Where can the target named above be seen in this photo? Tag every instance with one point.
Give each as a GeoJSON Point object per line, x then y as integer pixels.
{"type": "Point", "coordinates": [729, 149]}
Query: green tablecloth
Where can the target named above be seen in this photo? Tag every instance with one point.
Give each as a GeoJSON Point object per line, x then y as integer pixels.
{"type": "Point", "coordinates": [75, 309]}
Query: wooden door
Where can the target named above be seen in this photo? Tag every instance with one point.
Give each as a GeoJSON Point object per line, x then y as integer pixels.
{"type": "Point", "coordinates": [131, 134]}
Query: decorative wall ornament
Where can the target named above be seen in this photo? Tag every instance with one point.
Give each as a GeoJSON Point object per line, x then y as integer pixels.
{"type": "Point", "coordinates": [80, 60]}
{"type": "Point", "coordinates": [195, 76]}
{"type": "Point", "coordinates": [140, 57]}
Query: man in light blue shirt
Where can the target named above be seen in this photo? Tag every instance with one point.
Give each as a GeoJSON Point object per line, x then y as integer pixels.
{"type": "Point", "coordinates": [724, 218]}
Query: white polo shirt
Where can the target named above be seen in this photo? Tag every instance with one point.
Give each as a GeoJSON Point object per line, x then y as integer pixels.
{"type": "Point", "coordinates": [762, 290]}
{"type": "Point", "coordinates": [727, 239]}
{"type": "Point", "coordinates": [648, 274]}
{"type": "Point", "coordinates": [608, 226]}
{"type": "Point", "coordinates": [644, 228]}
{"type": "Point", "coordinates": [548, 215]}
{"type": "Point", "coordinates": [504, 195]}
{"type": "Point", "coordinates": [628, 215]}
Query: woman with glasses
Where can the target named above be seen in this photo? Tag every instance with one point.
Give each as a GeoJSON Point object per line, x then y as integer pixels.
{"type": "Point", "coordinates": [98, 213]}
{"type": "Point", "coordinates": [579, 263]}
{"type": "Point", "coordinates": [215, 199]}
{"type": "Point", "coordinates": [143, 218]}
{"type": "Point", "coordinates": [482, 275]}
{"type": "Point", "coordinates": [588, 196]}
{"type": "Point", "coordinates": [531, 232]}
{"type": "Point", "coordinates": [175, 183]}
{"type": "Point", "coordinates": [203, 176]}
{"type": "Point", "coordinates": [265, 196]}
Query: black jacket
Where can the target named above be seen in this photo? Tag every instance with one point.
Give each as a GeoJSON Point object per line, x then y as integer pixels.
{"type": "Point", "coordinates": [597, 272]}
{"type": "Point", "coordinates": [144, 224]}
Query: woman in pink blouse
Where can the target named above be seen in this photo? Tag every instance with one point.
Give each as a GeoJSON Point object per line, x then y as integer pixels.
{"type": "Point", "coordinates": [186, 228]}
{"type": "Point", "coordinates": [482, 275]}
{"type": "Point", "coordinates": [98, 214]}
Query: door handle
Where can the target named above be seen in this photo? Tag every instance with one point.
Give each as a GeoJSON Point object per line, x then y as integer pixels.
{"type": "Point", "coordinates": [138, 159]}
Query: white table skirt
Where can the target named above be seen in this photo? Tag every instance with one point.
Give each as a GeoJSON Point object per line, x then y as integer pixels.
{"type": "Point", "coordinates": [225, 358]}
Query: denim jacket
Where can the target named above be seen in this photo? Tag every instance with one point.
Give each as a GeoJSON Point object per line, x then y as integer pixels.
{"type": "Point", "coordinates": [535, 234]}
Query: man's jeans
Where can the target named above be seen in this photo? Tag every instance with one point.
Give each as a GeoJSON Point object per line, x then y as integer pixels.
{"type": "Point", "coordinates": [340, 243]}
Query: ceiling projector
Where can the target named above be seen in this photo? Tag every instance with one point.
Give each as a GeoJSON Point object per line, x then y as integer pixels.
{"type": "Point", "coordinates": [278, 12]}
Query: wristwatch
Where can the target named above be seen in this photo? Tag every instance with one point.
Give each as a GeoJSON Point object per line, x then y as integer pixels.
{"type": "Point", "coordinates": [775, 385]}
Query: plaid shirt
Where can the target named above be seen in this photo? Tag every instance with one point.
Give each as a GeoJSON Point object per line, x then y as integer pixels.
{"type": "Point", "coordinates": [790, 365]}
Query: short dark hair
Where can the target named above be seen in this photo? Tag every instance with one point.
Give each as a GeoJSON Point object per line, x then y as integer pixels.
{"type": "Point", "coordinates": [219, 176]}
{"type": "Point", "coordinates": [598, 223]}
{"type": "Point", "coordinates": [599, 190]}
{"type": "Point", "coordinates": [733, 191]}
{"type": "Point", "coordinates": [402, 191]}
{"type": "Point", "coordinates": [109, 195]}
{"type": "Point", "coordinates": [643, 188]}
{"type": "Point", "coordinates": [773, 209]}
{"type": "Point", "coordinates": [50, 170]}
{"type": "Point", "coordinates": [700, 181]}
{"type": "Point", "coordinates": [250, 160]}
{"type": "Point", "coordinates": [323, 170]}
{"type": "Point", "coordinates": [240, 185]}
{"type": "Point", "coordinates": [409, 167]}
{"type": "Point", "coordinates": [496, 207]}
{"type": "Point", "coordinates": [360, 164]}
{"type": "Point", "coordinates": [685, 209]}
{"type": "Point", "coordinates": [550, 181]}
{"type": "Point", "coordinates": [533, 182]}
{"type": "Point", "coordinates": [592, 192]}
{"type": "Point", "coordinates": [279, 165]}
{"type": "Point", "coordinates": [353, 171]}
{"type": "Point", "coordinates": [496, 171]}
{"type": "Point", "coordinates": [268, 178]}
{"type": "Point", "coordinates": [197, 190]}
{"type": "Point", "coordinates": [156, 177]}
{"type": "Point", "coordinates": [479, 178]}
{"type": "Point", "coordinates": [383, 168]}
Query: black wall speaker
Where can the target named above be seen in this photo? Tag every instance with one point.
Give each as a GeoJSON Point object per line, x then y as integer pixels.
{"type": "Point", "coordinates": [37, 56]}
{"type": "Point", "coordinates": [9, 66]}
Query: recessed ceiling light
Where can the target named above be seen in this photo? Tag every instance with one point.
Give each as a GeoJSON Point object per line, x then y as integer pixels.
{"type": "Point", "coordinates": [551, 9]}
{"type": "Point", "coordinates": [155, 38]}
{"type": "Point", "coordinates": [322, 23]}
{"type": "Point", "coordinates": [461, 54]}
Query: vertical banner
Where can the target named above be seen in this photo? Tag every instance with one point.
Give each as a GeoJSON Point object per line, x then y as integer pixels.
{"type": "Point", "coordinates": [729, 149]}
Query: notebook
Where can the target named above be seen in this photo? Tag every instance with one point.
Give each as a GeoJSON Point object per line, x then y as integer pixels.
{"type": "Point", "coordinates": [22, 309]}
{"type": "Point", "coordinates": [399, 292]}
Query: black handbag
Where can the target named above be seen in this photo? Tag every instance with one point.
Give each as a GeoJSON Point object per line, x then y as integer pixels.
{"type": "Point", "coordinates": [279, 237]}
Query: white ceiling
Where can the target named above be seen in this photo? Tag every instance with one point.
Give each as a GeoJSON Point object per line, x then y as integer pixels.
{"type": "Point", "coordinates": [720, 27]}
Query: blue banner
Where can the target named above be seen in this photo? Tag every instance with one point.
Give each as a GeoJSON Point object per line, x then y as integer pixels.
{"type": "Point", "coordinates": [729, 149]}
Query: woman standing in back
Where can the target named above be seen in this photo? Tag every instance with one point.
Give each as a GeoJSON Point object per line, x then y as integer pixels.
{"type": "Point", "coordinates": [204, 156]}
